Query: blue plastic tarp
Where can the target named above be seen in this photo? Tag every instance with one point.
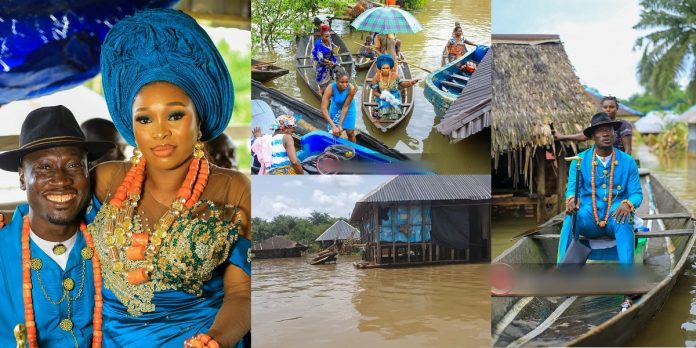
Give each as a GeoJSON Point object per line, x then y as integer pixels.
{"type": "Point", "coordinates": [47, 46]}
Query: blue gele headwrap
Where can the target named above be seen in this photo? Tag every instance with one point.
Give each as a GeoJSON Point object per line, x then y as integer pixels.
{"type": "Point", "coordinates": [385, 59]}
{"type": "Point", "coordinates": [165, 45]}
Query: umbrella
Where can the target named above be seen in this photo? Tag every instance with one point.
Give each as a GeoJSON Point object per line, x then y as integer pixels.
{"type": "Point", "coordinates": [387, 20]}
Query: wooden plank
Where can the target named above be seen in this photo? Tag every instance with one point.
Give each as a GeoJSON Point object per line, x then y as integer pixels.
{"type": "Point", "coordinates": [452, 84]}
{"type": "Point", "coordinates": [655, 234]}
{"type": "Point", "coordinates": [312, 66]}
{"type": "Point", "coordinates": [666, 216]}
{"type": "Point", "coordinates": [594, 289]}
{"type": "Point", "coordinates": [375, 104]}
{"type": "Point", "coordinates": [460, 77]}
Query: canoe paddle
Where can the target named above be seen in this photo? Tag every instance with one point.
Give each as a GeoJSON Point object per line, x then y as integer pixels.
{"type": "Point", "coordinates": [526, 233]}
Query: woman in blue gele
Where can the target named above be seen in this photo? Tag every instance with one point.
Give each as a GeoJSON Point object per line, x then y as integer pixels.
{"type": "Point", "coordinates": [172, 229]}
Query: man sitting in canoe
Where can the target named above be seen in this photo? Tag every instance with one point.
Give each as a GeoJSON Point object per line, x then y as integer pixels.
{"type": "Point", "coordinates": [608, 194]}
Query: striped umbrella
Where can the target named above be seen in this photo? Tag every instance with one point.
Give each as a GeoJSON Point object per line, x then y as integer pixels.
{"type": "Point", "coordinates": [387, 20]}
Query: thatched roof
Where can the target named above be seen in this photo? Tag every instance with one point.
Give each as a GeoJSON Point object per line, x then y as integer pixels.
{"type": "Point", "coordinates": [534, 84]}
{"type": "Point", "coordinates": [471, 112]}
{"type": "Point", "coordinates": [340, 230]}
{"type": "Point", "coordinates": [624, 110]}
{"type": "Point", "coordinates": [277, 242]}
{"type": "Point", "coordinates": [415, 188]}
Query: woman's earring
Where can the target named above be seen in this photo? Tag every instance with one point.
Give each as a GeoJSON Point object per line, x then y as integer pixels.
{"type": "Point", "coordinates": [198, 149]}
{"type": "Point", "coordinates": [137, 155]}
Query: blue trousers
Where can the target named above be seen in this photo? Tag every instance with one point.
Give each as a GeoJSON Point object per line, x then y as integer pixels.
{"type": "Point", "coordinates": [587, 226]}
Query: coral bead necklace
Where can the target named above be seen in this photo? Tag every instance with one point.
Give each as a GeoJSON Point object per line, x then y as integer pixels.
{"type": "Point", "coordinates": [123, 241]}
{"type": "Point", "coordinates": [602, 223]}
{"type": "Point", "coordinates": [66, 324]}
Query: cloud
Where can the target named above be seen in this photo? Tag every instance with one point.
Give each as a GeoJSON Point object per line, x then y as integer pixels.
{"type": "Point", "coordinates": [293, 183]}
{"type": "Point", "coordinates": [339, 204]}
{"type": "Point", "coordinates": [267, 207]}
{"type": "Point", "coordinates": [339, 180]}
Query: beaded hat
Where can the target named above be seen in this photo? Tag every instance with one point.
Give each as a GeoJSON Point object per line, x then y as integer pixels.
{"type": "Point", "coordinates": [165, 45]}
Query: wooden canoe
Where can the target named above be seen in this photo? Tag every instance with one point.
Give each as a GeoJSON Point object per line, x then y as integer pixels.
{"type": "Point", "coordinates": [362, 63]}
{"type": "Point", "coordinates": [444, 85]}
{"type": "Point", "coordinates": [264, 72]}
{"type": "Point", "coordinates": [305, 65]}
{"type": "Point", "coordinates": [583, 320]}
{"type": "Point", "coordinates": [311, 118]}
{"type": "Point", "coordinates": [369, 104]}
{"type": "Point", "coordinates": [320, 260]}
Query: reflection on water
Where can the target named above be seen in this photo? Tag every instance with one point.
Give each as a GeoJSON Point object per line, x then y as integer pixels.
{"type": "Point", "coordinates": [299, 305]}
{"type": "Point", "coordinates": [675, 324]}
{"type": "Point", "coordinates": [504, 228]}
{"type": "Point", "coordinates": [424, 49]}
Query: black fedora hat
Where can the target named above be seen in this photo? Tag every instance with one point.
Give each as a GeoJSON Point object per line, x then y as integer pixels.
{"type": "Point", "coordinates": [48, 127]}
{"type": "Point", "coordinates": [598, 120]}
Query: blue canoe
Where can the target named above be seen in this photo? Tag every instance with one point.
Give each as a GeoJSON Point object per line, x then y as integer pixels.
{"type": "Point", "coordinates": [356, 159]}
{"type": "Point", "coordinates": [444, 85]}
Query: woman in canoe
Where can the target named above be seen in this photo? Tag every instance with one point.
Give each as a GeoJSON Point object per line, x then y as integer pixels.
{"type": "Point", "coordinates": [324, 56]}
{"type": "Point", "coordinates": [456, 46]}
{"type": "Point", "coordinates": [338, 105]}
{"type": "Point", "coordinates": [385, 87]}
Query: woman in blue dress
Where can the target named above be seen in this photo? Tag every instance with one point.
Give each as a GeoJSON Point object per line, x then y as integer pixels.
{"type": "Point", "coordinates": [338, 105]}
{"type": "Point", "coordinates": [172, 230]}
{"type": "Point", "coordinates": [324, 56]}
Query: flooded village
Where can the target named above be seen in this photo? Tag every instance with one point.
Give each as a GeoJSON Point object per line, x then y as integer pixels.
{"type": "Point", "coordinates": [407, 248]}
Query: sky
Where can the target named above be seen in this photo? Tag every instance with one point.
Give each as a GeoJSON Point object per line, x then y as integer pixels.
{"type": "Point", "coordinates": [598, 36]}
{"type": "Point", "coordinates": [301, 194]}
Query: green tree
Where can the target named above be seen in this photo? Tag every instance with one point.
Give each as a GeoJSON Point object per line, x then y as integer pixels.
{"type": "Point", "coordinates": [675, 99]}
{"type": "Point", "coordinates": [669, 51]}
{"type": "Point", "coordinates": [280, 19]}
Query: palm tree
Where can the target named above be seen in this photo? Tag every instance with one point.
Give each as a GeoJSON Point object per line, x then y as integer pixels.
{"type": "Point", "coordinates": [669, 51]}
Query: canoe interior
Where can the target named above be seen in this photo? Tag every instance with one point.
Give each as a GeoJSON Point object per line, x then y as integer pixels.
{"type": "Point", "coordinates": [368, 99]}
{"type": "Point", "coordinates": [264, 72]}
{"type": "Point", "coordinates": [310, 118]}
{"type": "Point", "coordinates": [590, 320]}
{"type": "Point", "coordinates": [444, 85]}
{"type": "Point", "coordinates": [304, 62]}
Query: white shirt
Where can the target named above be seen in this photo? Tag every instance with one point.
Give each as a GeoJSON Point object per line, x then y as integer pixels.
{"type": "Point", "coordinates": [604, 160]}
{"type": "Point", "coordinates": [47, 247]}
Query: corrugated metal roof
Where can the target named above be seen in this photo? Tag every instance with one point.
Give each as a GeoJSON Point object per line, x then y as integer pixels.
{"type": "Point", "coordinates": [623, 109]}
{"type": "Point", "coordinates": [435, 188]}
{"type": "Point", "coordinates": [431, 188]}
{"type": "Point", "coordinates": [277, 242]}
{"type": "Point", "coordinates": [689, 116]}
{"type": "Point", "coordinates": [471, 112]}
{"type": "Point", "coordinates": [340, 230]}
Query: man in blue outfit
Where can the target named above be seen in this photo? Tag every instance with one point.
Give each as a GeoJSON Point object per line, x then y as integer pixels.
{"type": "Point", "coordinates": [52, 166]}
{"type": "Point", "coordinates": [609, 193]}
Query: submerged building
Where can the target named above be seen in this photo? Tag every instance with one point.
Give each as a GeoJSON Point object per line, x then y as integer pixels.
{"type": "Point", "coordinates": [425, 219]}
{"type": "Point", "coordinates": [276, 247]}
{"type": "Point", "coordinates": [337, 234]}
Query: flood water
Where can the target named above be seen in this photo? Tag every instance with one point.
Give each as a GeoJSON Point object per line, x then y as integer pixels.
{"type": "Point", "coordinates": [295, 304]}
{"type": "Point", "coordinates": [675, 324]}
{"type": "Point", "coordinates": [417, 136]}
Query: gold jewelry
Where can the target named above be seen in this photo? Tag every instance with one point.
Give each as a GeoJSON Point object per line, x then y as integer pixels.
{"type": "Point", "coordinates": [198, 149]}
{"type": "Point", "coordinates": [137, 154]}
{"type": "Point", "coordinates": [59, 249]}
